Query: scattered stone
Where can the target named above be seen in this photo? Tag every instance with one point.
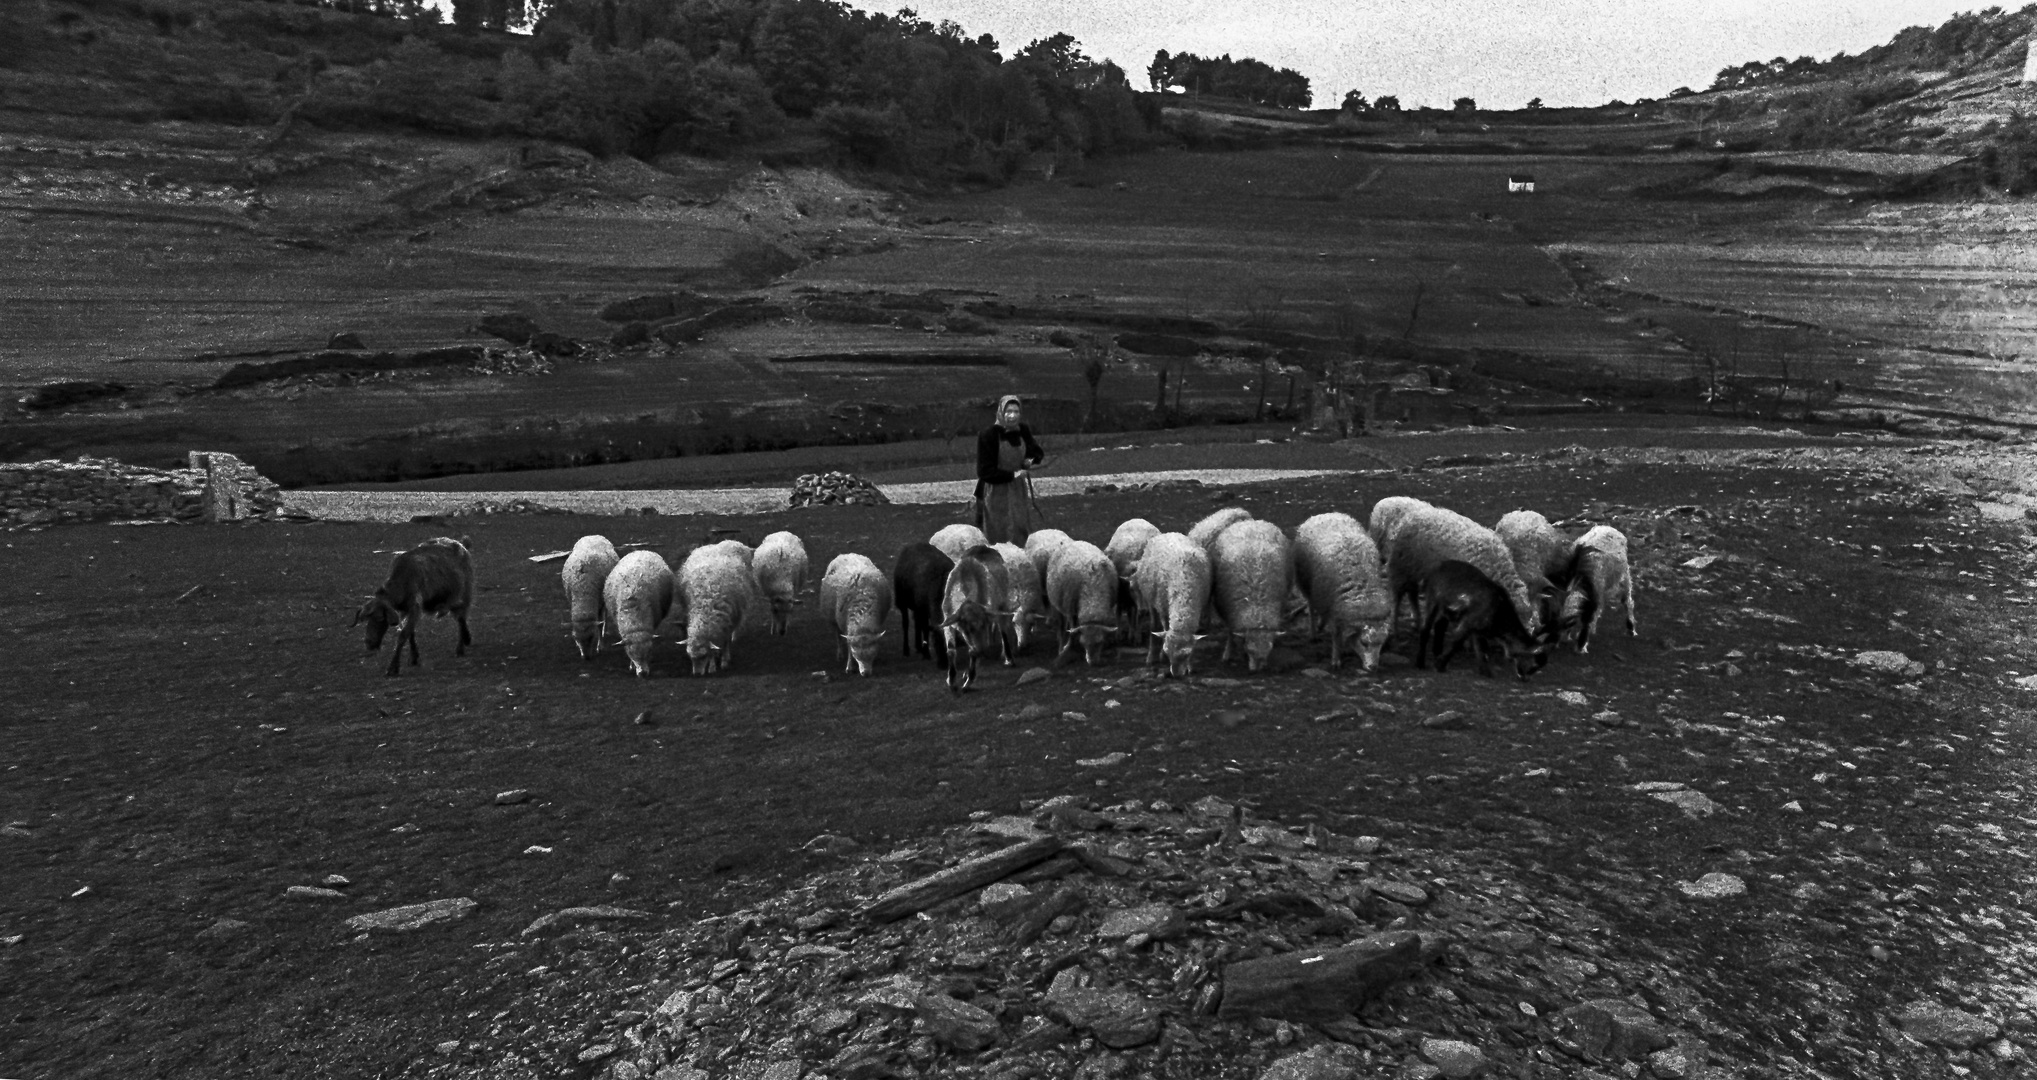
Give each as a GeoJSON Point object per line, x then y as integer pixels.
{"type": "Point", "coordinates": [566, 918]}
{"type": "Point", "coordinates": [1693, 803]}
{"type": "Point", "coordinates": [1714, 886]}
{"type": "Point", "coordinates": [1609, 718]}
{"type": "Point", "coordinates": [1676, 1063]}
{"type": "Point", "coordinates": [1314, 673]}
{"type": "Point", "coordinates": [1002, 900]}
{"type": "Point", "coordinates": [1793, 806]}
{"type": "Point", "coordinates": [1612, 1030]}
{"type": "Point", "coordinates": [221, 929]}
{"type": "Point", "coordinates": [1033, 675]}
{"type": "Point", "coordinates": [511, 798]}
{"type": "Point", "coordinates": [1399, 892]}
{"type": "Point", "coordinates": [954, 1024]}
{"type": "Point", "coordinates": [413, 916]}
{"type": "Point", "coordinates": [1930, 1022]}
{"type": "Point", "coordinates": [1447, 721]}
{"type": "Point", "coordinates": [312, 892]}
{"type": "Point", "coordinates": [1118, 1018]}
{"type": "Point", "coordinates": [1883, 662]}
{"type": "Point", "coordinates": [1105, 761]}
{"type": "Point", "coordinates": [1230, 718]}
{"type": "Point", "coordinates": [345, 339]}
{"type": "Point", "coordinates": [450, 1046]}
{"type": "Point", "coordinates": [1324, 1061]}
{"type": "Point", "coordinates": [1572, 697]}
{"type": "Point", "coordinates": [832, 844]}
{"type": "Point", "coordinates": [1040, 1033]}
{"type": "Point", "coordinates": [1650, 787]}
{"type": "Point", "coordinates": [832, 1022]}
{"type": "Point", "coordinates": [2027, 682]}
{"type": "Point", "coordinates": [336, 881]}
{"type": "Point", "coordinates": [1457, 1060]}
{"type": "Point", "coordinates": [1153, 922]}
{"type": "Point", "coordinates": [596, 1052]}
{"type": "Point", "coordinates": [789, 1069]}
{"type": "Point", "coordinates": [1035, 710]}
{"type": "Point", "coordinates": [1701, 562]}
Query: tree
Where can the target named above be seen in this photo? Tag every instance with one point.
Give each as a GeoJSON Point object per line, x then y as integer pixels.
{"type": "Point", "coordinates": [1354, 101]}
{"type": "Point", "coordinates": [1061, 53]}
{"type": "Point", "coordinates": [1387, 103]}
{"type": "Point", "coordinates": [1534, 103]}
{"type": "Point", "coordinates": [1464, 105]}
{"type": "Point", "coordinates": [1161, 71]}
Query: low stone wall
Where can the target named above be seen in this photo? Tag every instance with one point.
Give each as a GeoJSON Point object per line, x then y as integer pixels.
{"type": "Point", "coordinates": [213, 487]}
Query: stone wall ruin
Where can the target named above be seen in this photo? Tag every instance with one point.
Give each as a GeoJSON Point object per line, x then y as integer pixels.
{"type": "Point", "coordinates": [213, 487]}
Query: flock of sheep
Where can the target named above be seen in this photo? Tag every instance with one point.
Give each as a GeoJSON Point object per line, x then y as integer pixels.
{"type": "Point", "coordinates": [1513, 590]}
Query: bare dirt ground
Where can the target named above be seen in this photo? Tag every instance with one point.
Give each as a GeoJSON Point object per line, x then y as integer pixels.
{"type": "Point", "coordinates": [194, 731]}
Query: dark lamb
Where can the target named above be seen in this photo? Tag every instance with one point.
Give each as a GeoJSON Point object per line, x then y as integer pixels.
{"type": "Point", "coordinates": [917, 581]}
{"type": "Point", "coordinates": [1461, 604]}
{"type": "Point", "coordinates": [433, 578]}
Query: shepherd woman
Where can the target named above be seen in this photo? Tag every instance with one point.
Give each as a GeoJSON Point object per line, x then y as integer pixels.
{"type": "Point", "coordinates": [1004, 453]}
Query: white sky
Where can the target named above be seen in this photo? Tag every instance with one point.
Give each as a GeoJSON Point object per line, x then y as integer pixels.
{"type": "Point", "coordinates": [1430, 52]}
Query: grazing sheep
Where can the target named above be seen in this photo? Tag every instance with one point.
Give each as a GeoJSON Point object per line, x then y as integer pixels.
{"type": "Point", "coordinates": [1000, 597]}
{"type": "Point", "coordinates": [1205, 531]}
{"type": "Point", "coordinates": [1463, 604]}
{"type": "Point", "coordinates": [1387, 512]}
{"type": "Point", "coordinates": [1339, 569]}
{"type": "Point", "coordinates": [1252, 567]}
{"type": "Point", "coordinates": [1542, 556]}
{"type": "Point", "coordinates": [970, 599]}
{"type": "Point", "coordinates": [1082, 588]}
{"type": "Point", "coordinates": [917, 581]}
{"type": "Point", "coordinates": [1124, 548]}
{"type": "Point", "coordinates": [1600, 578]}
{"type": "Point", "coordinates": [1040, 547]}
{"type": "Point", "coordinates": [639, 595]}
{"type": "Point", "coordinates": [433, 578]}
{"type": "Point", "coordinates": [856, 597]}
{"type": "Point", "coordinates": [1026, 601]}
{"type": "Point", "coordinates": [589, 565]}
{"type": "Point", "coordinates": [781, 567]}
{"type": "Point", "coordinates": [1426, 536]}
{"type": "Point", "coordinates": [953, 540]}
{"type": "Point", "coordinates": [723, 602]}
{"type": "Point", "coordinates": [1173, 583]}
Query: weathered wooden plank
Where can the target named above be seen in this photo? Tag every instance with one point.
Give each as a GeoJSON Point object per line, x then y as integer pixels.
{"type": "Point", "coordinates": [954, 881]}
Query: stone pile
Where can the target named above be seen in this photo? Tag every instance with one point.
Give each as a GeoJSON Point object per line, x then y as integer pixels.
{"type": "Point", "coordinates": [836, 489]}
{"type": "Point", "coordinates": [213, 487]}
{"type": "Point", "coordinates": [1148, 940]}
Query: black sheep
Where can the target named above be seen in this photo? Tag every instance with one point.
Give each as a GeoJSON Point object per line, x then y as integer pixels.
{"type": "Point", "coordinates": [1460, 603]}
{"type": "Point", "coordinates": [433, 578]}
{"type": "Point", "coordinates": [917, 581]}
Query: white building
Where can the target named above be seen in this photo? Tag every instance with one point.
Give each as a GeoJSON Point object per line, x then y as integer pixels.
{"type": "Point", "coordinates": [1521, 182]}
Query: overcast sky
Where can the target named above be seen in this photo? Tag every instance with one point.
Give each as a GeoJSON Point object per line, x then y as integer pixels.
{"type": "Point", "coordinates": [1430, 52]}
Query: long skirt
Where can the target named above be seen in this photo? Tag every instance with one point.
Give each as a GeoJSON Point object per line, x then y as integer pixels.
{"type": "Point", "coordinates": [1007, 513]}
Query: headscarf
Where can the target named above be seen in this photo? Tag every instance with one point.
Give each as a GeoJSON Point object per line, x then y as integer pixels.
{"type": "Point", "coordinates": [1008, 399]}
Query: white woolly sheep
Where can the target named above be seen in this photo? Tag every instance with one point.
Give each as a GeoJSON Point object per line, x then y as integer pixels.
{"type": "Point", "coordinates": [1542, 556]}
{"type": "Point", "coordinates": [586, 569]}
{"type": "Point", "coordinates": [856, 597]}
{"type": "Point", "coordinates": [1338, 567]}
{"type": "Point", "coordinates": [1252, 567]}
{"type": "Point", "coordinates": [722, 602]}
{"type": "Point", "coordinates": [740, 550]}
{"type": "Point", "coordinates": [953, 540]}
{"type": "Point", "coordinates": [1600, 578]}
{"type": "Point", "coordinates": [1173, 583]}
{"type": "Point", "coordinates": [1041, 545]}
{"type": "Point", "coordinates": [1124, 548]}
{"type": "Point", "coordinates": [1205, 531]}
{"type": "Point", "coordinates": [1426, 537]}
{"type": "Point", "coordinates": [1082, 588]}
{"type": "Point", "coordinates": [1386, 513]}
{"type": "Point", "coordinates": [638, 595]}
{"type": "Point", "coordinates": [1026, 600]}
{"type": "Point", "coordinates": [781, 568]}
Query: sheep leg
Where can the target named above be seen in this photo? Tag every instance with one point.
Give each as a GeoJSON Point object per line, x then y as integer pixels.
{"type": "Point", "coordinates": [466, 639]}
{"type": "Point", "coordinates": [842, 650]}
{"type": "Point", "coordinates": [1336, 638]}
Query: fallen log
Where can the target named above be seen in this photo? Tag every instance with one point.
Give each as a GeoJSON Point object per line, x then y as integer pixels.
{"type": "Point", "coordinates": [1319, 986]}
{"type": "Point", "coordinates": [915, 896]}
